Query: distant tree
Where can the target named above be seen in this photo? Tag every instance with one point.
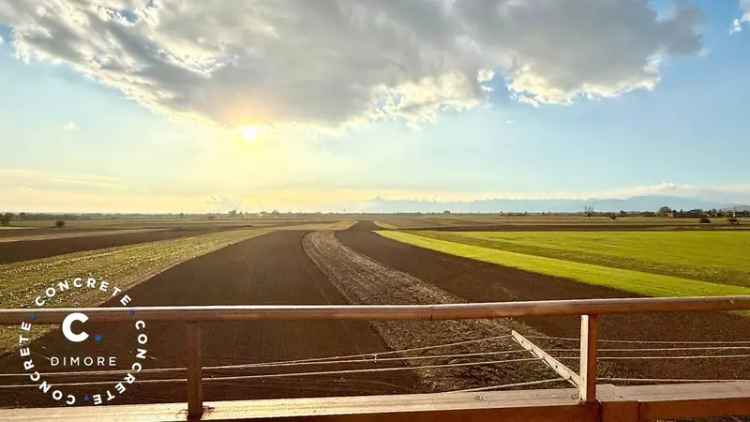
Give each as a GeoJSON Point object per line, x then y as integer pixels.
{"type": "Point", "coordinates": [623, 213]}
{"type": "Point", "coordinates": [613, 216]}
{"type": "Point", "coordinates": [664, 211]}
{"type": "Point", "coordinates": [446, 212]}
{"type": "Point", "coordinates": [588, 210]}
{"type": "Point", "coordinates": [705, 220]}
{"type": "Point", "coordinates": [60, 224]}
{"type": "Point", "coordinates": [6, 218]}
{"type": "Point", "coordinates": [232, 213]}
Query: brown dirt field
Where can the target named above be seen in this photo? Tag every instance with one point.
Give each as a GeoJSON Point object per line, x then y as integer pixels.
{"type": "Point", "coordinates": [366, 282]}
{"type": "Point", "coordinates": [270, 269]}
{"type": "Point", "coordinates": [72, 233]}
{"type": "Point", "coordinates": [481, 282]}
{"type": "Point", "coordinates": [51, 231]}
{"type": "Point", "coordinates": [24, 250]}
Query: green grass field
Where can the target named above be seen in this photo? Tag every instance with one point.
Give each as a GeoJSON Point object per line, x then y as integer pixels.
{"type": "Point", "coordinates": [644, 263]}
{"type": "Point", "coordinates": [718, 256]}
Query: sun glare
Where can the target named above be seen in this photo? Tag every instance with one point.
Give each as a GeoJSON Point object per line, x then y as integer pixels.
{"type": "Point", "coordinates": [249, 133]}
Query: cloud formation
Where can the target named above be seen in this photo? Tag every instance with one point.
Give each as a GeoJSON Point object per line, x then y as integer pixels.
{"type": "Point", "coordinates": [330, 63]}
{"type": "Point", "coordinates": [742, 20]}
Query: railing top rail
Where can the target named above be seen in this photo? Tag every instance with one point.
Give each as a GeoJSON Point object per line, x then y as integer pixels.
{"type": "Point", "coordinates": [383, 312]}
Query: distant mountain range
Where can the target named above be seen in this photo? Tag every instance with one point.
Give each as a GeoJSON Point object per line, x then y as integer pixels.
{"type": "Point", "coordinates": [636, 203]}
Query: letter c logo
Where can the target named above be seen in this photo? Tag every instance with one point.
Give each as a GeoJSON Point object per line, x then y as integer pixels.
{"type": "Point", "coordinates": [68, 321]}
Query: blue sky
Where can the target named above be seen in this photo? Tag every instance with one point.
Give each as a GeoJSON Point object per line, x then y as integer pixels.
{"type": "Point", "coordinates": [77, 139]}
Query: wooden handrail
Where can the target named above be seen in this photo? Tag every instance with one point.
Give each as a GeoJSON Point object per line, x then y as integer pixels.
{"type": "Point", "coordinates": [384, 312]}
{"type": "Point", "coordinates": [588, 309]}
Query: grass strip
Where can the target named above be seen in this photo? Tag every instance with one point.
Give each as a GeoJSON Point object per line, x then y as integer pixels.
{"type": "Point", "coordinates": [718, 257]}
{"type": "Point", "coordinates": [640, 283]}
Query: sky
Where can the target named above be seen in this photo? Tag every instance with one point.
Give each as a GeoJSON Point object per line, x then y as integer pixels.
{"type": "Point", "coordinates": [207, 106]}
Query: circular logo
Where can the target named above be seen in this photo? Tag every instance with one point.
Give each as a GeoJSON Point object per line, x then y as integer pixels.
{"type": "Point", "coordinates": [83, 349]}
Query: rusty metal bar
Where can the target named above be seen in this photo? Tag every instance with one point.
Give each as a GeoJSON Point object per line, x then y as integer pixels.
{"type": "Point", "coordinates": [194, 370]}
{"type": "Point", "coordinates": [587, 366]}
{"type": "Point", "coordinates": [387, 312]}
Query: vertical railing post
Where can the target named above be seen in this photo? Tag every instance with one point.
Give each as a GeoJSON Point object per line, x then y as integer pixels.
{"type": "Point", "coordinates": [194, 370]}
{"type": "Point", "coordinates": [587, 387]}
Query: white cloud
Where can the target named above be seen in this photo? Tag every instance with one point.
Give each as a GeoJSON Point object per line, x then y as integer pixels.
{"type": "Point", "coordinates": [736, 26]}
{"type": "Point", "coordinates": [744, 19]}
{"type": "Point", "coordinates": [70, 127]}
{"type": "Point", "coordinates": [2, 40]}
{"type": "Point", "coordinates": [330, 63]}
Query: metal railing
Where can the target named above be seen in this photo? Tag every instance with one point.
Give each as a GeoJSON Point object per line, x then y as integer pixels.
{"type": "Point", "coordinates": [192, 316]}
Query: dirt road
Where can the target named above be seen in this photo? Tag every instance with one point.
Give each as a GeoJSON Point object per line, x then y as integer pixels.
{"type": "Point", "coordinates": [480, 282]}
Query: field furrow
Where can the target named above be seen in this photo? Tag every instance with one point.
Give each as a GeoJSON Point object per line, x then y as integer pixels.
{"type": "Point", "coordinates": [367, 282]}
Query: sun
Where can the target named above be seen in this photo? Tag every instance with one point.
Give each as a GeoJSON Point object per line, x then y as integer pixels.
{"type": "Point", "coordinates": [249, 133]}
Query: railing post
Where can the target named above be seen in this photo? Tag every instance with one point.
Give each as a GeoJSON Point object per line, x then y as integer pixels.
{"type": "Point", "coordinates": [194, 370]}
{"type": "Point", "coordinates": [587, 387]}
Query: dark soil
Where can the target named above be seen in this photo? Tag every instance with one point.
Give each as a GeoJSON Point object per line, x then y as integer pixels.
{"type": "Point", "coordinates": [271, 269]}
{"type": "Point", "coordinates": [481, 282]}
{"type": "Point", "coordinates": [364, 281]}
{"type": "Point", "coordinates": [274, 269]}
{"type": "Point", "coordinates": [53, 231]}
{"type": "Point", "coordinates": [24, 250]}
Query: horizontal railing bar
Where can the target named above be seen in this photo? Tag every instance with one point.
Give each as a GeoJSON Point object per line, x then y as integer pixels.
{"type": "Point", "coordinates": [296, 374]}
{"type": "Point", "coordinates": [383, 312]}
